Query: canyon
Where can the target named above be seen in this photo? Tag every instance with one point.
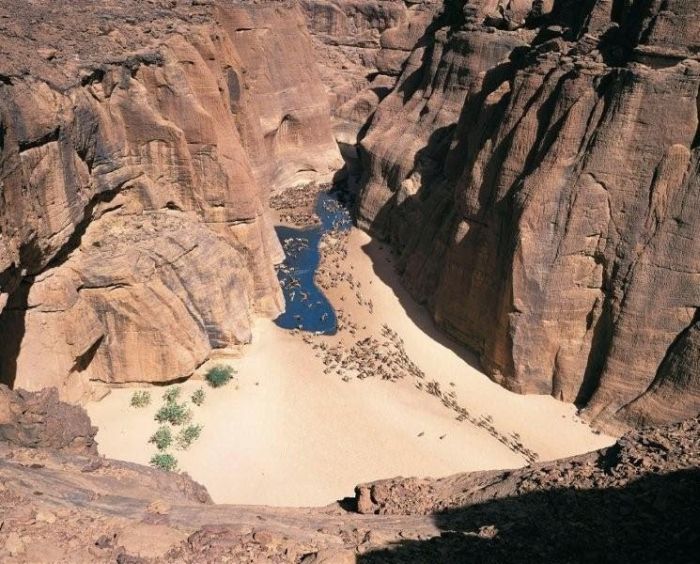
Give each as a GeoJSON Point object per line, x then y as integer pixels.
{"type": "Point", "coordinates": [526, 174]}
{"type": "Point", "coordinates": [534, 168]}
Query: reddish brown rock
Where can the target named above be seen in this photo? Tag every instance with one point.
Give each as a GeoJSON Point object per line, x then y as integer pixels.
{"type": "Point", "coordinates": [136, 167]}
{"type": "Point", "coordinates": [40, 421]}
{"type": "Point", "coordinates": [634, 498]}
{"type": "Point", "coordinates": [539, 183]}
{"type": "Point", "coordinates": [362, 46]}
{"type": "Point", "coordinates": [535, 163]}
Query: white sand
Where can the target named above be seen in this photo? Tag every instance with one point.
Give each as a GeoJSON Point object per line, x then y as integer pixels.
{"type": "Point", "coordinates": [290, 435]}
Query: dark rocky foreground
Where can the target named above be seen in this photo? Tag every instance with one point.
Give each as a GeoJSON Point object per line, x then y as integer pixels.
{"type": "Point", "coordinates": [61, 502]}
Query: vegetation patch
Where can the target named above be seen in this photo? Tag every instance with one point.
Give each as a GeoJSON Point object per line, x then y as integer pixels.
{"type": "Point", "coordinates": [198, 397]}
{"type": "Point", "coordinates": [171, 394]}
{"type": "Point", "coordinates": [164, 461]}
{"type": "Point", "coordinates": [173, 413]}
{"type": "Point", "coordinates": [187, 436]}
{"type": "Point", "coordinates": [140, 399]}
{"type": "Point", "coordinates": [219, 375]}
{"type": "Point", "coordinates": [162, 438]}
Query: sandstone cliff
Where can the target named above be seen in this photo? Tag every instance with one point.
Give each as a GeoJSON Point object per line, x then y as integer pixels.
{"type": "Point", "coordinates": [535, 162]}
{"type": "Point", "coordinates": [536, 166]}
{"type": "Point", "coordinates": [138, 146]}
{"type": "Point", "coordinates": [361, 48]}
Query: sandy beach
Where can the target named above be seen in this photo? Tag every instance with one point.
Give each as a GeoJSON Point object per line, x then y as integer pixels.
{"type": "Point", "coordinates": [295, 431]}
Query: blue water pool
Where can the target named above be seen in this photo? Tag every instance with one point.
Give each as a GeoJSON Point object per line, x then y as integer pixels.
{"type": "Point", "coordinates": [307, 308]}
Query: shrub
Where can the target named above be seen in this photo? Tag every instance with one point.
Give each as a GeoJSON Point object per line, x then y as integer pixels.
{"type": "Point", "coordinates": [171, 394]}
{"type": "Point", "coordinates": [140, 399]}
{"type": "Point", "coordinates": [219, 375]}
{"type": "Point", "coordinates": [198, 397]}
{"type": "Point", "coordinates": [187, 436]}
{"type": "Point", "coordinates": [164, 461]}
{"type": "Point", "coordinates": [173, 413]}
{"type": "Point", "coordinates": [162, 438]}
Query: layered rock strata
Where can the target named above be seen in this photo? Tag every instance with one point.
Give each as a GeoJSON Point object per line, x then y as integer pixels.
{"type": "Point", "coordinates": [362, 46]}
{"type": "Point", "coordinates": [536, 167]}
{"type": "Point", "coordinates": [135, 170]}
{"type": "Point", "coordinates": [534, 162]}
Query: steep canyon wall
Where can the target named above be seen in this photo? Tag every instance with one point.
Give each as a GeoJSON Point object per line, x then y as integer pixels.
{"type": "Point", "coordinates": [537, 170]}
{"type": "Point", "coordinates": [534, 163]}
{"type": "Point", "coordinates": [139, 143]}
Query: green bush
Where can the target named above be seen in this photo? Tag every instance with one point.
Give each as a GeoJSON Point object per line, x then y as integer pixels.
{"type": "Point", "coordinates": [162, 438]}
{"type": "Point", "coordinates": [219, 375]}
{"type": "Point", "coordinates": [188, 435]}
{"type": "Point", "coordinates": [198, 397]}
{"type": "Point", "coordinates": [173, 413]}
{"type": "Point", "coordinates": [140, 399]}
{"type": "Point", "coordinates": [171, 394]}
{"type": "Point", "coordinates": [164, 461]}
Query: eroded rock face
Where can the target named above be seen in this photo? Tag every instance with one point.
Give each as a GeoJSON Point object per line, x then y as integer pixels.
{"type": "Point", "coordinates": [136, 166]}
{"type": "Point", "coordinates": [535, 163]}
{"type": "Point", "coordinates": [362, 46]}
{"type": "Point", "coordinates": [40, 421]}
{"type": "Point", "coordinates": [541, 184]}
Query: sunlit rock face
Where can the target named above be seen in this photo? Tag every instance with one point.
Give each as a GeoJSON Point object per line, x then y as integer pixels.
{"type": "Point", "coordinates": [534, 162]}
{"type": "Point", "coordinates": [541, 184]}
{"type": "Point", "coordinates": [136, 167]}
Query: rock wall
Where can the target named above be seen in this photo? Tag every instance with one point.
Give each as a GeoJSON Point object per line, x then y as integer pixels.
{"type": "Point", "coordinates": [38, 420]}
{"type": "Point", "coordinates": [537, 169]}
{"type": "Point", "coordinates": [362, 46]}
{"type": "Point", "coordinates": [535, 163]}
{"type": "Point", "coordinates": [135, 169]}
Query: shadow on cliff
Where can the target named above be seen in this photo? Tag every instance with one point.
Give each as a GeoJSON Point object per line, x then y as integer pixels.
{"type": "Point", "coordinates": [383, 265]}
{"type": "Point", "coordinates": [652, 519]}
{"type": "Point", "coordinates": [12, 329]}
{"type": "Point", "coordinates": [420, 225]}
{"type": "Point", "coordinates": [457, 248]}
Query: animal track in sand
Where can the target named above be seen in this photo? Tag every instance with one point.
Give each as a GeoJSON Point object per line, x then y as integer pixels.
{"type": "Point", "coordinates": [384, 357]}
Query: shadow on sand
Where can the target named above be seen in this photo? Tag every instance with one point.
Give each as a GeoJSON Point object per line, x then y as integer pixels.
{"type": "Point", "coordinates": [385, 270]}
{"type": "Point", "coordinates": [652, 519]}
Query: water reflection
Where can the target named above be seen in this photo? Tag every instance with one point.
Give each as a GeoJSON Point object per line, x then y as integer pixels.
{"type": "Point", "coordinates": [307, 307]}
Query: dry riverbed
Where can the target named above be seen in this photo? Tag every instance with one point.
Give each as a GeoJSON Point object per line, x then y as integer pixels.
{"type": "Point", "coordinates": [309, 416]}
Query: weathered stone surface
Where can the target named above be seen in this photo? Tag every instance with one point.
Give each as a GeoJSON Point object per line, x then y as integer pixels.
{"type": "Point", "coordinates": [136, 166]}
{"type": "Point", "coordinates": [535, 162]}
{"type": "Point", "coordinates": [361, 48]}
{"type": "Point", "coordinates": [39, 420]}
{"type": "Point", "coordinates": [542, 186]}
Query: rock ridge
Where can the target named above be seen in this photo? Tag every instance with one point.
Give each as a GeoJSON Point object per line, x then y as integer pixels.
{"type": "Point", "coordinates": [59, 502]}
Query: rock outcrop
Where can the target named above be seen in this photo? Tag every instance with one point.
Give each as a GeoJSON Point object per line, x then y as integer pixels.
{"type": "Point", "coordinates": [39, 420]}
{"type": "Point", "coordinates": [631, 502]}
{"type": "Point", "coordinates": [557, 511]}
{"type": "Point", "coordinates": [136, 164]}
{"type": "Point", "coordinates": [362, 46]}
{"type": "Point", "coordinates": [536, 166]}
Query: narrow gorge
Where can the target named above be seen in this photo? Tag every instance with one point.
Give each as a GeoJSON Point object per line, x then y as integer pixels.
{"type": "Point", "coordinates": [520, 284]}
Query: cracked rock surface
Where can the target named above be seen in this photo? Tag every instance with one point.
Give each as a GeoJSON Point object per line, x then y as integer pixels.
{"type": "Point", "coordinates": [135, 168]}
